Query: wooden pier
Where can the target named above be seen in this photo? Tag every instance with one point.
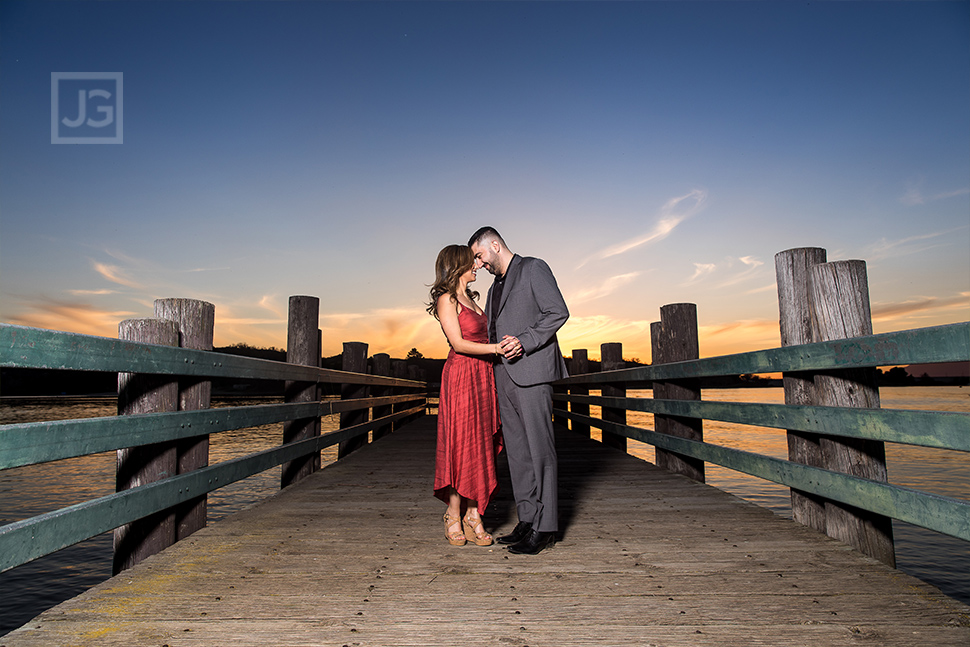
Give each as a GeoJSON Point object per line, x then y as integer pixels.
{"type": "Point", "coordinates": [354, 555]}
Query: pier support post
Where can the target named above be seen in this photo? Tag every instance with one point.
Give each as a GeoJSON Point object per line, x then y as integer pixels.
{"type": "Point", "coordinates": [579, 366]}
{"type": "Point", "coordinates": [302, 347]}
{"type": "Point", "coordinates": [674, 339]}
{"type": "Point", "coordinates": [840, 309]}
{"type": "Point", "coordinates": [382, 366]}
{"type": "Point", "coordinates": [399, 370]}
{"type": "Point", "coordinates": [416, 374]}
{"type": "Point", "coordinates": [558, 418]}
{"type": "Point", "coordinates": [611, 359]}
{"type": "Point", "coordinates": [195, 321]}
{"type": "Point", "coordinates": [136, 466]}
{"type": "Point", "coordinates": [793, 271]}
{"type": "Point", "coordinates": [354, 361]}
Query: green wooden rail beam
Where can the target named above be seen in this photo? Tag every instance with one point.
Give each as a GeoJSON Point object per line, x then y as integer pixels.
{"type": "Point", "coordinates": [23, 347]}
{"type": "Point", "coordinates": [950, 343]}
{"type": "Point", "coordinates": [41, 442]}
{"type": "Point", "coordinates": [941, 514]}
{"type": "Point", "coordinates": [941, 429]}
{"type": "Point", "coordinates": [28, 539]}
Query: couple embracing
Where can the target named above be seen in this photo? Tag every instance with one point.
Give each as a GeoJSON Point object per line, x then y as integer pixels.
{"type": "Point", "coordinates": [496, 386]}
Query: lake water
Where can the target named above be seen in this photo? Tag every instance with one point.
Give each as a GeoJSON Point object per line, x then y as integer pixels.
{"type": "Point", "coordinates": [27, 491]}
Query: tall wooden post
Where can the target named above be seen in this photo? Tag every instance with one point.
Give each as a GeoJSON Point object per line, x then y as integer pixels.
{"type": "Point", "coordinates": [195, 321]}
{"type": "Point", "coordinates": [793, 271]}
{"type": "Point", "coordinates": [354, 361]}
{"type": "Point", "coordinates": [301, 348]}
{"type": "Point", "coordinates": [558, 418]}
{"type": "Point", "coordinates": [382, 366]}
{"type": "Point", "coordinates": [136, 466]}
{"type": "Point", "coordinates": [676, 342]}
{"type": "Point", "coordinates": [840, 309]}
{"type": "Point", "coordinates": [579, 366]}
{"type": "Point", "coordinates": [611, 359]}
{"type": "Point", "coordinates": [416, 374]}
{"type": "Point", "coordinates": [399, 370]}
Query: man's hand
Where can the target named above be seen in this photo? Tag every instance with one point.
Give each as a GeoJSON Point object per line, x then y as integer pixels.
{"type": "Point", "coordinates": [511, 347]}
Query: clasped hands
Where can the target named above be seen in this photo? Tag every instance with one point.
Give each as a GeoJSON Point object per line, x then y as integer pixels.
{"type": "Point", "coordinates": [510, 347]}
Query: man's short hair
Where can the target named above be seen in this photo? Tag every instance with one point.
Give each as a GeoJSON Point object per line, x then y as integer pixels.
{"type": "Point", "coordinates": [486, 233]}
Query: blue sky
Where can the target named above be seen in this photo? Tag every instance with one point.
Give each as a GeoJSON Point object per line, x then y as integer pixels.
{"type": "Point", "coordinates": [651, 152]}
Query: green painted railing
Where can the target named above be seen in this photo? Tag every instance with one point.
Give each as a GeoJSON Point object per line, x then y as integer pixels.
{"type": "Point", "coordinates": [33, 443]}
{"type": "Point", "coordinates": [945, 430]}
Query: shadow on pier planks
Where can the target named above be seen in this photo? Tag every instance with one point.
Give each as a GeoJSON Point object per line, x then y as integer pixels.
{"type": "Point", "coordinates": [355, 555]}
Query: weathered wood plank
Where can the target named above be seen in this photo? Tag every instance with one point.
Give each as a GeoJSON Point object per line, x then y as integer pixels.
{"type": "Point", "coordinates": [942, 429]}
{"type": "Point", "coordinates": [942, 514]}
{"type": "Point", "coordinates": [25, 347]}
{"type": "Point", "coordinates": [949, 343]}
{"type": "Point", "coordinates": [353, 555]}
{"type": "Point", "coordinates": [39, 442]}
{"type": "Point", "coordinates": [27, 539]}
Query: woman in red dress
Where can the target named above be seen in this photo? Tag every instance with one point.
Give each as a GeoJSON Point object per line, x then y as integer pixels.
{"type": "Point", "coordinates": [468, 422]}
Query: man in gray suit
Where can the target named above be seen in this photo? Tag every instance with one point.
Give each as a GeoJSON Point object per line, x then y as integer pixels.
{"type": "Point", "coordinates": [525, 309]}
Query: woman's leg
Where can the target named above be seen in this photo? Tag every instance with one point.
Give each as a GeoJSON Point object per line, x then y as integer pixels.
{"type": "Point", "coordinates": [453, 529]}
{"type": "Point", "coordinates": [473, 527]}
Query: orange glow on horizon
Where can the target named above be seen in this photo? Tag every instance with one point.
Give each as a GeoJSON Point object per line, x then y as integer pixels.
{"type": "Point", "coordinates": [396, 332]}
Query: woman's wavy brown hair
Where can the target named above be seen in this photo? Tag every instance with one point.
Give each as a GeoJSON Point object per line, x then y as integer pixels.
{"type": "Point", "coordinates": [452, 262]}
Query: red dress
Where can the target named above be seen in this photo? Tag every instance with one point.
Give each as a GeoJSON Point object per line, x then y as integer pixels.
{"type": "Point", "coordinates": [468, 421]}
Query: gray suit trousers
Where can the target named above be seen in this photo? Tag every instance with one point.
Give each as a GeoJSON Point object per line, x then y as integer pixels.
{"type": "Point", "coordinates": [526, 413]}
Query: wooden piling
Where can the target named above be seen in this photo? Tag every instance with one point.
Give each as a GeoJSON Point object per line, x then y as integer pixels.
{"type": "Point", "coordinates": [136, 466]}
{"type": "Point", "coordinates": [793, 269]}
{"type": "Point", "coordinates": [611, 359]}
{"type": "Point", "coordinates": [840, 309]}
{"type": "Point", "coordinates": [579, 366]}
{"type": "Point", "coordinates": [381, 366]}
{"type": "Point", "coordinates": [399, 370]}
{"type": "Point", "coordinates": [302, 347]}
{"type": "Point", "coordinates": [675, 340]}
{"type": "Point", "coordinates": [558, 418]}
{"type": "Point", "coordinates": [354, 361]}
{"type": "Point", "coordinates": [195, 321]}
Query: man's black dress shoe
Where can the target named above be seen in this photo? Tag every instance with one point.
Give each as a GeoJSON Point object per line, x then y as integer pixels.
{"type": "Point", "coordinates": [520, 532]}
{"type": "Point", "coordinates": [533, 543]}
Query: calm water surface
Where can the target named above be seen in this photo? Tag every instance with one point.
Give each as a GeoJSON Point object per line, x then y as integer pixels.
{"type": "Point", "coordinates": [28, 491]}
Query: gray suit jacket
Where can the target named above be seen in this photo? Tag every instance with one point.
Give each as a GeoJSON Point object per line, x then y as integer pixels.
{"type": "Point", "coordinates": [531, 309]}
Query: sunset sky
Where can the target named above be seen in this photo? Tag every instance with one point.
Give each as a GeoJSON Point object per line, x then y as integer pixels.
{"type": "Point", "coordinates": [650, 152]}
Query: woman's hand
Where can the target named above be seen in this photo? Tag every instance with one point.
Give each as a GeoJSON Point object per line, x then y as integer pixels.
{"type": "Point", "coordinates": [511, 347]}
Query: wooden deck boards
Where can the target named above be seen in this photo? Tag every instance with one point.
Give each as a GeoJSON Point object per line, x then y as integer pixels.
{"type": "Point", "coordinates": [355, 555]}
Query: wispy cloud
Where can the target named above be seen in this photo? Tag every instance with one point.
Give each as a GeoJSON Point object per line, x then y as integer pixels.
{"type": "Point", "coordinates": [115, 274]}
{"type": "Point", "coordinates": [701, 269]}
{"type": "Point", "coordinates": [72, 316]}
{"type": "Point", "coordinates": [91, 292]}
{"type": "Point", "coordinates": [207, 269]}
{"type": "Point", "coordinates": [674, 212]}
{"type": "Point", "coordinates": [884, 248]}
{"type": "Point", "coordinates": [269, 302]}
{"type": "Point", "coordinates": [920, 306]}
{"type": "Point", "coordinates": [771, 287]}
{"type": "Point", "coordinates": [914, 196]}
{"type": "Point", "coordinates": [751, 267]}
{"type": "Point", "coordinates": [605, 288]}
